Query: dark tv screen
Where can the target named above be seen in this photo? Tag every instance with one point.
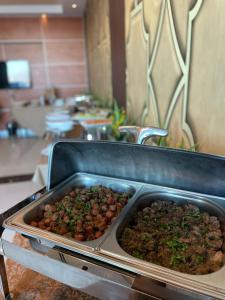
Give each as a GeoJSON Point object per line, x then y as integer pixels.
{"type": "Point", "coordinates": [15, 74]}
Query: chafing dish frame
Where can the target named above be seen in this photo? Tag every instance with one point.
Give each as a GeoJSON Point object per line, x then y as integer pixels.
{"type": "Point", "coordinates": [161, 167]}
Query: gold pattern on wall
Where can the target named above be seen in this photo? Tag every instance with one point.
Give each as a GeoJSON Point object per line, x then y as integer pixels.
{"type": "Point", "coordinates": [167, 68]}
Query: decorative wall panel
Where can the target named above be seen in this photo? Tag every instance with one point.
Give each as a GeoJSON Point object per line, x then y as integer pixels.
{"type": "Point", "coordinates": [164, 70]}
{"type": "Point", "coordinates": [152, 11]}
{"type": "Point", "coordinates": [137, 53]}
{"type": "Point", "coordinates": [180, 11]}
{"type": "Point", "coordinates": [99, 48]}
{"type": "Point", "coordinates": [206, 109]}
{"type": "Point", "coordinates": [129, 5]}
{"type": "Point", "coordinates": [164, 103]}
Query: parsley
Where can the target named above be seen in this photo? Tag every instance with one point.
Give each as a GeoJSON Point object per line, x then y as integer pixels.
{"type": "Point", "coordinates": [177, 259]}
{"type": "Point", "coordinates": [175, 245]}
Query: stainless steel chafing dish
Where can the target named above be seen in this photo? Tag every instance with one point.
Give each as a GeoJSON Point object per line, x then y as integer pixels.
{"type": "Point", "coordinates": [101, 267]}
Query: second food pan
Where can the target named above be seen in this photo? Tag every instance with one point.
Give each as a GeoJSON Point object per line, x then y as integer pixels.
{"type": "Point", "coordinates": [21, 221]}
{"type": "Point", "coordinates": [213, 205]}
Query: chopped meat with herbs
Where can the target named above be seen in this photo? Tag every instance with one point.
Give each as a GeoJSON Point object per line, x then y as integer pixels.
{"type": "Point", "coordinates": [84, 214]}
{"type": "Point", "coordinates": [179, 237]}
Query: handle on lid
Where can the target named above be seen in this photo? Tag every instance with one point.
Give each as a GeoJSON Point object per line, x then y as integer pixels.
{"type": "Point", "coordinates": [143, 133]}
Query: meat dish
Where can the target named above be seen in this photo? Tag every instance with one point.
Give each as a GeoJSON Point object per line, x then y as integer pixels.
{"type": "Point", "coordinates": [83, 214]}
{"type": "Point", "coordinates": [179, 237]}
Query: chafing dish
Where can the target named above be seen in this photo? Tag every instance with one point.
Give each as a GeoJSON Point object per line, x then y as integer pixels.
{"type": "Point", "coordinates": [101, 267]}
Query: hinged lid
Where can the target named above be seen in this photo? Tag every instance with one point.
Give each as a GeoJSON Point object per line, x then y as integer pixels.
{"type": "Point", "coordinates": [180, 169]}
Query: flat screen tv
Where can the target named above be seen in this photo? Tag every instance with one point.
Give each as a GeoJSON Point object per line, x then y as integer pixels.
{"type": "Point", "coordinates": [15, 74]}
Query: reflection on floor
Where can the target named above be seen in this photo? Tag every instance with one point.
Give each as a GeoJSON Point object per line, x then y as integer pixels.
{"type": "Point", "coordinates": [25, 284]}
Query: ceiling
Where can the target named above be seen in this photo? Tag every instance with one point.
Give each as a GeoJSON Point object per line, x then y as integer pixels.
{"type": "Point", "coordinates": [37, 7]}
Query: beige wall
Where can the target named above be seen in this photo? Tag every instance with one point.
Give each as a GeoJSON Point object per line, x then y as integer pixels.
{"type": "Point", "coordinates": [176, 69]}
{"type": "Point", "coordinates": [55, 49]}
{"type": "Point", "coordinates": [99, 48]}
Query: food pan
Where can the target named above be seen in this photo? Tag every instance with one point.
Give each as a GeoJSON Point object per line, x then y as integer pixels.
{"type": "Point", "coordinates": [21, 220]}
{"type": "Point", "coordinates": [213, 205]}
{"type": "Point", "coordinates": [146, 199]}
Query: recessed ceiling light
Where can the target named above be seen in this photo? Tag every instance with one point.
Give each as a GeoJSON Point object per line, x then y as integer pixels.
{"type": "Point", "coordinates": [74, 5]}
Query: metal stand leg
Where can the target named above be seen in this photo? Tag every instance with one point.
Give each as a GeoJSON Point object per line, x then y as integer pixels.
{"type": "Point", "coordinates": [4, 280]}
